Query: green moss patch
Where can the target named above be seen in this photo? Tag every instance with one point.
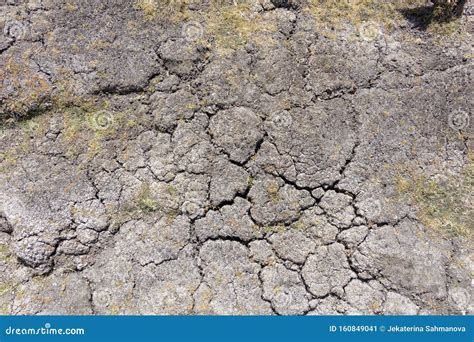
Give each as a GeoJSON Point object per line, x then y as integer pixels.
{"type": "Point", "coordinates": [144, 199]}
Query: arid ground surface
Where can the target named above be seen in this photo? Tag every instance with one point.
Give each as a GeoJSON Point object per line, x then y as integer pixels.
{"type": "Point", "coordinates": [266, 157]}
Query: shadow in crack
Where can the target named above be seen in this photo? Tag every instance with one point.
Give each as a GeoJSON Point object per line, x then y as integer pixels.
{"type": "Point", "coordinates": [423, 16]}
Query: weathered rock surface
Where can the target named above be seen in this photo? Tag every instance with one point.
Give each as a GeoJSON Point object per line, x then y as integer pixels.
{"type": "Point", "coordinates": [158, 159]}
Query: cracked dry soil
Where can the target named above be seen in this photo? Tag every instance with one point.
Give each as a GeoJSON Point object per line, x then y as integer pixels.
{"type": "Point", "coordinates": [165, 158]}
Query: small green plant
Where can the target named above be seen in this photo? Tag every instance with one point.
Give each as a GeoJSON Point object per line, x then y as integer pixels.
{"type": "Point", "coordinates": [145, 201]}
{"type": "Point", "coordinates": [149, 204]}
{"type": "Point", "coordinates": [170, 189]}
{"type": "Point", "coordinates": [171, 215]}
{"type": "Point", "coordinates": [250, 182]}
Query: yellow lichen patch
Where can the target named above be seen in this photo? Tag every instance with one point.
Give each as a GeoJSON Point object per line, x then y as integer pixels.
{"type": "Point", "coordinates": [5, 255]}
{"type": "Point", "coordinates": [171, 215]}
{"type": "Point", "coordinates": [8, 159]}
{"type": "Point", "coordinates": [5, 288]}
{"type": "Point", "coordinates": [97, 44]}
{"type": "Point", "coordinates": [170, 189]}
{"type": "Point", "coordinates": [71, 7]}
{"type": "Point", "coordinates": [3, 249]}
{"type": "Point", "coordinates": [272, 190]}
{"type": "Point", "coordinates": [299, 225]}
{"type": "Point", "coordinates": [444, 205]}
{"type": "Point", "coordinates": [273, 229]}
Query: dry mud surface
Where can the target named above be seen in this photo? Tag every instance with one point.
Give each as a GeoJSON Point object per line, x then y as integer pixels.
{"type": "Point", "coordinates": [162, 158]}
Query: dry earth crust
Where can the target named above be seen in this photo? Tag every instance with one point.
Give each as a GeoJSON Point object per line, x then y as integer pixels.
{"type": "Point", "coordinates": [258, 158]}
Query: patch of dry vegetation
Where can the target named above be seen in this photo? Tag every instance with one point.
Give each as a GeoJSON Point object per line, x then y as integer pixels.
{"type": "Point", "coordinates": [236, 25]}
{"type": "Point", "coordinates": [387, 13]}
{"type": "Point", "coordinates": [444, 205]}
{"type": "Point", "coordinates": [337, 12]}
